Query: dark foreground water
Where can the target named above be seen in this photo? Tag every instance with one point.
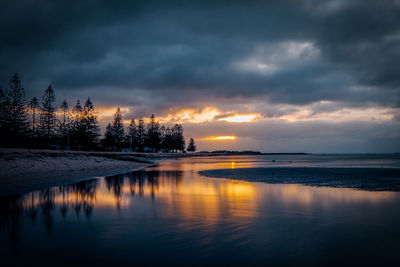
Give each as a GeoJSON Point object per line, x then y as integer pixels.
{"type": "Point", "coordinates": [170, 214]}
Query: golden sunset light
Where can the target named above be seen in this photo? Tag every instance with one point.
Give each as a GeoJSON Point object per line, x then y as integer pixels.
{"type": "Point", "coordinates": [107, 112]}
{"type": "Point", "coordinates": [207, 114]}
{"type": "Point", "coordinates": [190, 115]}
{"type": "Point", "coordinates": [218, 138]}
{"type": "Point", "coordinates": [241, 118]}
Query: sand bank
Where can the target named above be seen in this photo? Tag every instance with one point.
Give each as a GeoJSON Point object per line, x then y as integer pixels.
{"type": "Point", "coordinates": [375, 179]}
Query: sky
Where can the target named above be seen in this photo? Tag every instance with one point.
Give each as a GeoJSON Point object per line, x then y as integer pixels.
{"type": "Point", "coordinates": [279, 76]}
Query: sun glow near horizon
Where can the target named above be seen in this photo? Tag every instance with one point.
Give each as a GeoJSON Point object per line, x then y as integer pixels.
{"type": "Point", "coordinates": [219, 138]}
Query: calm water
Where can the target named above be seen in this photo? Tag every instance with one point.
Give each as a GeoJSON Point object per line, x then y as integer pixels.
{"type": "Point", "coordinates": [169, 214]}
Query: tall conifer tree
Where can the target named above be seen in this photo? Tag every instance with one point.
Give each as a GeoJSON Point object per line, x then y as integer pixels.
{"type": "Point", "coordinates": [140, 135]}
{"type": "Point", "coordinates": [153, 137]}
{"type": "Point", "coordinates": [48, 117]}
{"type": "Point", "coordinates": [90, 125]}
{"type": "Point", "coordinates": [34, 105]}
{"type": "Point", "coordinates": [77, 125]}
{"type": "Point", "coordinates": [14, 119]}
{"type": "Point", "coordinates": [130, 135]}
{"type": "Point", "coordinates": [117, 129]}
{"type": "Point", "coordinates": [65, 129]}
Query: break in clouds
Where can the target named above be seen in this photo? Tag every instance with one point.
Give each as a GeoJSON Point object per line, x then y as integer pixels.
{"type": "Point", "coordinates": [321, 76]}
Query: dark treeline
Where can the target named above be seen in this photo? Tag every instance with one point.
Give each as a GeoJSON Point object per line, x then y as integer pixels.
{"type": "Point", "coordinates": [38, 123]}
{"type": "Point", "coordinates": [143, 137]}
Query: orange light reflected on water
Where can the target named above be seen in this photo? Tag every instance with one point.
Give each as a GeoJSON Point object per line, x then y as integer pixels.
{"type": "Point", "coordinates": [194, 198]}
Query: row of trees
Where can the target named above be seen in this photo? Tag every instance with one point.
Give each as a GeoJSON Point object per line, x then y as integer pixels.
{"type": "Point", "coordinates": [41, 124]}
{"type": "Point", "coordinates": [139, 136]}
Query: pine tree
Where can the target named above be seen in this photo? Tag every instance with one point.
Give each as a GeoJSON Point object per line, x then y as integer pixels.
{"type": "Point", "coordinates": [77, 125]}
{"type": "Point", "coordinates": [108, 140]}
{"type": "Point", "coordinates": [178, 139]}
{"type": "Point", "coordinates": [191, 147]}
{"type": "Point", "coordinates": [65, 109]}
{"type": "Point", "coordinates": [167, 139]}
{"type": "Point", "coordinates": [130, 135]}
{"type": "Point", "coordinates": [117, 129]}
{"type": "Point", "coordinates": [162, 136]}
{"type": "Point", "coordinates": [34, 105]}
{"type": "Point", "coordinates": [140, 135]}
{"type": "Point", "coordinates": [4, 118]}
{"type": "Point", "coordinates": [153, 137]}
{"type": "Point", "coordinates": [14, 118]}
{"type": "Point", "coordinates": [65, 124]}
{"type": "Point", "coordinates": [48, 117]}
{"type": "Point", "coordinates": [90, 125]}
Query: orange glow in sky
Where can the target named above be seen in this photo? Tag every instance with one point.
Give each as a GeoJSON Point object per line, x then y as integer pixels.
{"type": "Point", "coordinates": [223, 137]}
{"type": "Point", "coordinates": [241, 118]}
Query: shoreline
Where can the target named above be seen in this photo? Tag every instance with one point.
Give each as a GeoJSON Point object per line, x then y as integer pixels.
{"type": "Point", "coordinates": [27, 170]}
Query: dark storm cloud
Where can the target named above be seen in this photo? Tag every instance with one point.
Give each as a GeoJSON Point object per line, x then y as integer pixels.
{"type": "Point", "coordinates": [178, 52]}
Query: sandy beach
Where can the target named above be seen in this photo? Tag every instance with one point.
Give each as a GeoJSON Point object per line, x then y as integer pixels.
{"type": "Point", "coordinates": [24, 170]}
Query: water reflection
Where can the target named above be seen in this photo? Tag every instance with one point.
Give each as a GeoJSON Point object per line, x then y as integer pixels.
{"type": "Point", "coordinates": [189, 199]}
{"type": "Point", "coordinates": [171, 211]}
{"type": "Point", "coordinates": [82, 197]}
{"type": "Point", "coordinates": [79, 196]}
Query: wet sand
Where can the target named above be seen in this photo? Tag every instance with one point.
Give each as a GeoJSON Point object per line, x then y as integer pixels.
{"type": "Point", "coordinates": [24, 170]}
{"type": "Point", "coordinates": [373, 179]}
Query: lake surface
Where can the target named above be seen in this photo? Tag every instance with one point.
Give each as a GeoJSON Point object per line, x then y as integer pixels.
{"type": "Point", "coordinates": [170, 214]}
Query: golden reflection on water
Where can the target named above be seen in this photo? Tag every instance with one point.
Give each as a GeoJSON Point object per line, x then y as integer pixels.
{"type": "Point", "coordinates": [189, 196]}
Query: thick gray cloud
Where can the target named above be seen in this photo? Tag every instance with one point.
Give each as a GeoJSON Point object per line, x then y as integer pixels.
{"type": "Point", "coordinates": [317, 50]}
{"type": "Point", "coordinates": [274, 58]}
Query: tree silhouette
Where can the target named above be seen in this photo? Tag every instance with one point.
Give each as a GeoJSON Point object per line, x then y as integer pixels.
{"type": "Point", "coordinates": [130, 135]}
{"type": "Point", "coordinates": [89, 125]}
{"type": "Point", "coordinates": [191, 147]}
{"type": "Point", "coordinates": [48, 117]}
{"type": "Point", "coordinates": [108, 140]}
{"type": "Point", "coordinates": [140, 135]}
{"type": "Point", "coordinates": [34, 105]}
{"type": "Point", "coordinates": [117, 129]}
{"type": "Point", "coordinates": [14, 118]}
{"type": "Point", "coordinates": [77, 125]}
{"type": "Point", "coordinates": [153, 137]}
{"type": "Point", "coordinates": [167, 139]}
{"type": "Point", "coordinates": [4, 119]}
{"type": "Point", "coordinates": [65, 109]}
{"type": "Point", "coordinates": [65, 124]}
{"type": "Point", "coordinates": [178, 139]}
{"type": "Point", "coordinates": [80, 125]}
